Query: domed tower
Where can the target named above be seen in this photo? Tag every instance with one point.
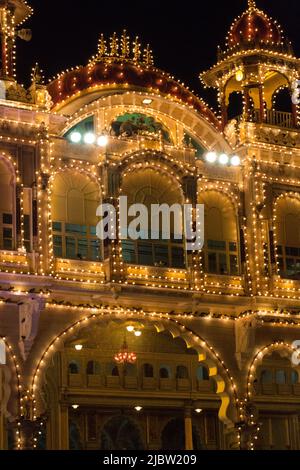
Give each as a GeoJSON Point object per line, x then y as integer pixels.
{"type": "Point", "coordinates": [255, 72]}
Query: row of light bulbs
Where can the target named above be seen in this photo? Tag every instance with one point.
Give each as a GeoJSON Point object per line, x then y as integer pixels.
{"type": "Point", "coordinates": [223, 159]}
{"type": "Point", "coordinates": [88, 138]}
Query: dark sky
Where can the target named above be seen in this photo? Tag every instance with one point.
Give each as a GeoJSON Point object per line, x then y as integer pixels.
{"type": "Point", "coordinates": [183, 34]}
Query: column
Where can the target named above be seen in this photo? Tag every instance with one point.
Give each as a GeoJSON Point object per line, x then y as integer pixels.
{"type": "Point", "coordinates": [188, 429]}
{"type": "Point", "coordinates": [63, 427]}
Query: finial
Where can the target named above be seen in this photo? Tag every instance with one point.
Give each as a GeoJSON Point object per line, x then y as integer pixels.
{"type": "Point", "coordinates": [251, 4]}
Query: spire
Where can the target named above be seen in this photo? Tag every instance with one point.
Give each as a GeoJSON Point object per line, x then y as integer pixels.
{"type": "Point", "coordinates": [251, 4]}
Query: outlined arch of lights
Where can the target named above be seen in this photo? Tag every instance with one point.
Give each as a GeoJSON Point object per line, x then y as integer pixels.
{"type": "Point", "coordinates": [192, 340]}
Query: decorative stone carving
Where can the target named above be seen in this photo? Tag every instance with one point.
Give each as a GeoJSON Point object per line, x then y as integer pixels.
{"type": "Point", "coordinates": [29, 313]}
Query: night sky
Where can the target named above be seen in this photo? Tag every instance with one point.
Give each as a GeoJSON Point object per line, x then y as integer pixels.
{"type": "Point", "coordinates": [183, 35]}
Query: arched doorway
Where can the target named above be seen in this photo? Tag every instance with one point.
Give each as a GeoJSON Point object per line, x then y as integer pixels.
{"type": "Point", "coordinates": [121, 433]}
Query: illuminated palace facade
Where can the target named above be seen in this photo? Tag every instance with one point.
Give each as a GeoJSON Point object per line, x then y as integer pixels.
{"type": "Point", "coordinates": [142, 344]}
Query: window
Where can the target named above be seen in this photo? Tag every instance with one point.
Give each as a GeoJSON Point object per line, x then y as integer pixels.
{"type": "Point", "coordinates": [7, 206]}
{"type": "Point", "coordinates": [75, 199]}
{"type": "Point", "coordinates": [266, 377]}
{"type": "Point", "coordinates": [74, 241]}
{"type": "Point", "coordinates": [164, 372]}
{"type": "Point", "coordinates": [93, 368]}
{"type": "Point", "coordinates": [221, 257]}
{"type": "Point", "coordinates": [7, 231]}
{"type": "Point", "coordinates": [182, 372]}
{"type": "Point", "coordinates": [153, 253]}
{"type": "Point", "coordinates": [73, 367]}
{"type": "Point", "coordinates": [280, 377]}
{"type": "Point", "coordinates": [202, 373]}
{"type": "Point", "coordinates": [294, 377]}
{"type": "Point", "coordinates": [289, 260]}
{"type": "Point", "coordinates": [148, 370]}
{"type": "Point", "coordinates": [158, 246]}
{"type": "Point", "coordinates": [27, 232]}
{"type": "Point", "coordinates": [288, 237]}
{"type": "Point", "coordinates": [220, 254]}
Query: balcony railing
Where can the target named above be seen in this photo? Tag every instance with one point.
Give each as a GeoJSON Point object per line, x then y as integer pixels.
{"type": "Point", "coordinates": [276, 118]}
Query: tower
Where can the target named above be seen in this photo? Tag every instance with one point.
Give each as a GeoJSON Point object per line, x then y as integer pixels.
{"type": "Point", "coordinates": [257, 63]}
{"type": "Point", "coordinates": [12, 14]}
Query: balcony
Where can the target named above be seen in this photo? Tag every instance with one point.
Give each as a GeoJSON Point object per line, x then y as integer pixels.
{"type": "Point", "coordinates": [276, 118]}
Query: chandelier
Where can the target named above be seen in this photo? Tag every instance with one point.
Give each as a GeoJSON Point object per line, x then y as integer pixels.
{"type": "Point", "coordinates": [124, 356]}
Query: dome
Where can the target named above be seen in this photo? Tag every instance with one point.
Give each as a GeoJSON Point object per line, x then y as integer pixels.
{"type": "Point", "coordinates": [254, 26]}
{"type": "Point", "coordinates": [120, 69]}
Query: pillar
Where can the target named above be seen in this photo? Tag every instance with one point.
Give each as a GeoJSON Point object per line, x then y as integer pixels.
{"type": "Point", "coordinates": [188, 429]}
{"type": "Point", "coordinates": [63, 427]}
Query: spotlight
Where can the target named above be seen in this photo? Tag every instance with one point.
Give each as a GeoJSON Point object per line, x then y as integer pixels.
{"type": "Point", "coordinates": [147, 101]}
{"type": "Point", "coordinates": [75, 407]}
{"type": "Point", "coordinates": [137, 333]}
{"type": "Point", "coordinates": [198, 410]}
{"type": "Point", "coordinates": [235, 160]}
{"type": "Point", "coordinates": [102, 140]}
{"type": "Point", "coordinates": [89, 138]}
{"type": "Point", "coordinates": [78, 347]}
{"type": "Point", "coordinates": [223, 159]}
{"type": "Point", "coordinates": [130, 328]}
{"type": "Point", "coordinates": [75, 137]}
{"type": "Point", "coordinates": [211, 157]}
{"type": "Point", "coordinates": [138, 408]}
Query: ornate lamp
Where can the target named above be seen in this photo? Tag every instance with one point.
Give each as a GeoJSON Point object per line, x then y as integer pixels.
{"type": "Point", "coordinates": [124, 356]}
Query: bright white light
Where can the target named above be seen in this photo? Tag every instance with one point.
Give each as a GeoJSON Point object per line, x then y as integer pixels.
{"type": "Point", "coordinates": [235, 160]}
{"type": "Point", "coordinates": [211, 157]}
{"type": "Point", "coordinates": [138, 408]}
{"type": "Point", "coordinates": [75, 137]}
{"type": "Point", "coordinates": [75, 407]}
{"type": "Point", "coordinates": [78, 347]}
{"type": "Point", "coordinates": [198, 410]}
{"type": "Point", "coordinates": [89, 138]}
{"type": "Point", "coordinates": [147, 101]}
{"type": "Point", "coordinates": [223, 159]}
{"type": "Point", "coordinates": [102, 140]}
{"type": "Point", "coordinates": [137, 333]}
{"type": "Point", "coordinates": [130, 328]}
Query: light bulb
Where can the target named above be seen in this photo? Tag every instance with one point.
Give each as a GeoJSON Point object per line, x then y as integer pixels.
{"type": "Point", "coordinates": [75, 407]}
{"type": "Point", "coordinates": [78, 347]}
{"type": "Point", "coordinates": [102, 140]}
{"type": "Point", "coordinates": [130, 328]}
{"type": "Point", "coordinates": [223, 159]}
{"type": "Point", "coordinates": [138, 408]}
{"type": "Point", "coordinates": [137, 333]}
{"type": "Point", "coordinates": [211, 157]}
{"type": "Point", "coordinates": [235, 160]}
{"type": "Point", "coordinates": [89, 138]}
{"type": "Point", "coordinates": [75, 137]}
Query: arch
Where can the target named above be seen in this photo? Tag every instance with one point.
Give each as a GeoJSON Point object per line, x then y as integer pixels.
{"type": "Point", "coordinates": [74, 198]}
{"type": "Point", "coordinates": [121, 432]}
{"type": "Point", "coordinates": [221, 245]}
{"type": "Point", "coordinates": [277, 346]}
{"type": "Point", "coordinates": [159, 244]}
{"type": "Point", "coordinates": [225, 386]}
{"type": "Point", "coordinates": [287, 234]}
{"type": "Point", "coordinates": [180, 115]}
{"type": "Point", "coordinates": [7, 204]}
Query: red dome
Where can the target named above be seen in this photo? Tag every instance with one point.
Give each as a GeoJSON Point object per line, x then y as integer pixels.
{"type": "Point", "coordinates": [254, 26]}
